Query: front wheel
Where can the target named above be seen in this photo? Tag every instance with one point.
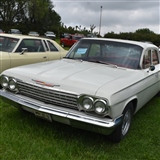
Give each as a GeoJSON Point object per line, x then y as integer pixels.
{"type": "Point", "coordinates": [121, 131]}
{"type": "Point", "coordinates": [158, 94]}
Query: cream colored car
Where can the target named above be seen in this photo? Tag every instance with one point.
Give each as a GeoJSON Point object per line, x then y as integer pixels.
{"type": "Point", "coordinates": [17, 50]}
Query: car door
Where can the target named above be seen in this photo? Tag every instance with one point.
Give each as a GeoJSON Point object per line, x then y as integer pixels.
{"type": "Point", "coordinates": [53, 52]}
{"type": "Point", "coordinates": [4, 61]}
{"type": "Point", "coordinates": [28, 51]}
{"type": "Point", "coordinates": [151, 67]}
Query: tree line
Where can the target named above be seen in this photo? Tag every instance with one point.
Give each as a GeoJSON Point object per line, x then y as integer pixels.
{"type": "Point", "coordinates": [40, 16]}
{"type": "Point", "coordinates": [144, 34]}
{"type": "Point", "coordinates": [27, 15]}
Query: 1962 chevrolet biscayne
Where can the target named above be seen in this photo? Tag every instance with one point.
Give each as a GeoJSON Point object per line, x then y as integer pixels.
{"type": "Point", "coordinates": [98, 86]}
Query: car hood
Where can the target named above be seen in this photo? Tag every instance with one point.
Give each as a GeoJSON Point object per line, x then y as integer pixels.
{"type": "Point", "coordinates": [72, 75]}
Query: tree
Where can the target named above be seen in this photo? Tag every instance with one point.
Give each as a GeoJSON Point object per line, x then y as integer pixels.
{"type": "Point", "coordinates": [92, 27]}
{"type": "Point", "coordinates": [12, 11]}
{"type": "Point", "coordinates": [144, 31]}
{"type": "Point", "coordinates": [29, 15]}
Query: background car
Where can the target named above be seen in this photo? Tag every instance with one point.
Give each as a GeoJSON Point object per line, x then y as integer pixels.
{"type": "Point", "coordinates": [98, 86]}
{"type": "Point", "coordinates": [14, 31]}
{"type": "Point", "coordinates": [50, 35]}
{"type": "Point", "coordinates": [69, 40]}
{"type": "Point", "coordinates": [65, 35]}
{"type": "Point", "coordinates": [91, 35]}
{"type": "Point", "coordinates": [1, 31]}
{"type": "Point", "coordinates": [33, 33]}
{"type": "Point", "coordinates": [16, 50]}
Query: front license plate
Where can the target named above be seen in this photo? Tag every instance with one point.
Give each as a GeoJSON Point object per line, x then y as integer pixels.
{"type": "Point", "coordinates": [43, 115]}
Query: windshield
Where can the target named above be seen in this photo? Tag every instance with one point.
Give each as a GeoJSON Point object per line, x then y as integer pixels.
{"type": "Point", "coordinates": [7, 44]}
{"type": "Point", "coordinates": [108, 52]}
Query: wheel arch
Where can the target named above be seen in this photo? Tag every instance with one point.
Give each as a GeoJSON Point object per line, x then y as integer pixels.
{"type": "Point", "coordinates": [134, 101]}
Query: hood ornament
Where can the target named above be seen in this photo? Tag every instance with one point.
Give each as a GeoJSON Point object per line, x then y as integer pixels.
{"type": "Point", "coordinates": [45, 84]}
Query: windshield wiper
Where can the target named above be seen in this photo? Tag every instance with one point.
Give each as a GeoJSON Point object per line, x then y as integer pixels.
{"type": "Point", "coordinates": [73, 58]}
{"type": "Point", "coordinates": [67, 57]}
{"type": "Point", "coordinates": [102, 62]}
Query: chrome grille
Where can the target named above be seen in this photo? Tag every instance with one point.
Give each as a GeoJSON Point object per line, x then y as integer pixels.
{"type": "Point", "coordinates": [47, 95]}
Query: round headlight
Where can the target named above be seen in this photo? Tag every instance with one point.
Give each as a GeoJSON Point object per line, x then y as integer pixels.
{"type": "Point", "coordinates": [101, 107]}
{"type": "Point", "coordinates": [12, 84]}
{"type": "Point", "coordinates": [4, 81]}
{"type": "Point", "coordinates": [87, 103]}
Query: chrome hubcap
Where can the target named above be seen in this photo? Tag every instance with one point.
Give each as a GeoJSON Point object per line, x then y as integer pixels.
{"type": "Point", "coordinates": [126, 122]}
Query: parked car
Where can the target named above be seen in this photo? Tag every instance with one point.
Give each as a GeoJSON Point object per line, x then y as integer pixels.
{"type": "Point", "coordinates": [33, 33]}
{"type": "Point", "coordinates": [68, 41]}
{"type": "Point", "coordinates": [91, 35]}
{"type": "Point", "coordinates": [65, 35]}
{"type": "Point", "coordinates": [98, 86]}
{"type": "Point", "coordinates": [14, 31]}
{"type": "Point", "coordinates": [1, 31]}
{"type": "Point", "coordinates": [50, 35]}
{"type": "Point", "coordinates": [16, 50]}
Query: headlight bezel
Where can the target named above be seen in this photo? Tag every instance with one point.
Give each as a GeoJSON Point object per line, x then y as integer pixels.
{"type": "Point", "coordinates": [104, 109]}
{"type": "Point", "coordinates": [15, 84]}
{"type": "Point", "coordinates": [95, 100]}
{"type": "Point", "coordinates": [91, 103]}
{"type": "Point", "coordinates": [4, 84]}
{"type": "Point", "coordinates": [8, 82]}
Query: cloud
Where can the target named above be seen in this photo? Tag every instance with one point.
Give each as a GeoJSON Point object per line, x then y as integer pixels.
{"type": "Point", "coordinates": [116, 15]}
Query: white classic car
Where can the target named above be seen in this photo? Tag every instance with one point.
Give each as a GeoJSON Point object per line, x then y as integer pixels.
{"type": "Point", "coordinates": [50, 35]}
{"type": "Point", "coordinates": [17, 50]}
{"type": "Point", "coordinates": [98, 86]}
{"type": "Point", "coordinates": [33, 33]}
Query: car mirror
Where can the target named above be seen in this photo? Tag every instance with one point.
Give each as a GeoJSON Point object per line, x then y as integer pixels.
{"type": "Point", "coordinates": [152, 68]}
{"type": "Point", "coordinates": [24, 50]}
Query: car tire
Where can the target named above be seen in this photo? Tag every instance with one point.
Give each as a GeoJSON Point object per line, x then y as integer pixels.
{"type": "Point", "coordinates": [121, 131]}
{"type": "Point", "coordinates": [158, 94]}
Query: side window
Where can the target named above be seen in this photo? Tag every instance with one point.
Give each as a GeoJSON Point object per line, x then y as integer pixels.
{"type": "Point", "coordinates": [21, 45]}
{"type": "Point", "coordinates": [37, 46]}
{"type": "Point", "coordinates": [52, 47]}
{"type": "Point", "coordinates": [32, 45]}
{"type": "Point", "coordinates": [155, 57]}
{"type": "Point", "coordinates": [147, 59]}
{"type": "Point", "coordinates": [150, 58]}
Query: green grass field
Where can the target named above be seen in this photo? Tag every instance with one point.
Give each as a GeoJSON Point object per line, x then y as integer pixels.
{"type": "Point", "coordinates": [25, 137]}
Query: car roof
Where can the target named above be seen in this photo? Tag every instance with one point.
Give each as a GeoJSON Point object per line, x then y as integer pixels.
{"type": "Point", "coordinates": [33, 31]}
{"type": "Point", "coordinates": [22, 36]}
{"type": "Point", "coordinates": [142, 44]}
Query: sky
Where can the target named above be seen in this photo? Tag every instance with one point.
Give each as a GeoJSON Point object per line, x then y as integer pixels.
{"type": "Point", "coordinates": [110, 15]}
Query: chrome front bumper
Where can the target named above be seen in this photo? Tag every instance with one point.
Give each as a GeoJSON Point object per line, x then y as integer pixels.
{"type": "Point", "coordinates": [63, 115]}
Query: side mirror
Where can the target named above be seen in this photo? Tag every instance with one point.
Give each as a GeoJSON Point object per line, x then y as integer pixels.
{"type": "Point", "coordinates": [24, 50]}
{"type": "Point", "coordinates": [152, 68]}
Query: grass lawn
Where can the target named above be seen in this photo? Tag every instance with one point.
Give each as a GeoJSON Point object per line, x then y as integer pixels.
{"type": "Point", "coordinates": [25, 137]}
